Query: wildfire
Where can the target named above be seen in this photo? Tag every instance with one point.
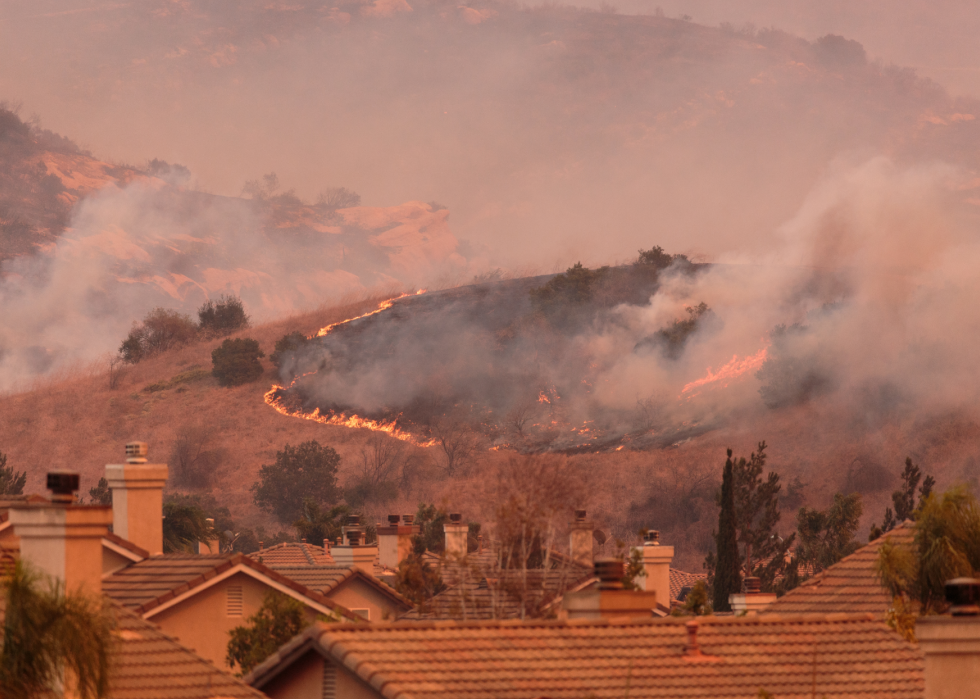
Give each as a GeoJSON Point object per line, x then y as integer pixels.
{"type": "Point", "coordinates": [732, 370]}
{"type": "Point", "coordinates": [390, 427]}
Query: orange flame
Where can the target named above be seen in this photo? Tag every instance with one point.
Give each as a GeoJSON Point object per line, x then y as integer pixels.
{"type": "Point", "coordinates": [735, 368]}
{"type": "Point", "coordinates": [389, 427]}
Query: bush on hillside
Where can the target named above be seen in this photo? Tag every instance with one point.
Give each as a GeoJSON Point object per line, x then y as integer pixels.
{"type": "Point", "coordinates": [306, 471]}
{"type": "Point", "coordinates": [338, 198]}
{"type": "Point", "coordinates": [222, 318]}
{"type": "Point", "coordinates": [286, 345]}
{"type": "Point", "coordinates": [162, 329]}
{"type": "Point", "coordinates": [11, 482]}
{"type": "Point", "coordinates": [237, 361]}
{"type": "Point", "coordinates": [194, 458]}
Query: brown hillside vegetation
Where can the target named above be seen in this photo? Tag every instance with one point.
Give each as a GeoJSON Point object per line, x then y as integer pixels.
{"type": "Point", "coordinates": [78, 422]}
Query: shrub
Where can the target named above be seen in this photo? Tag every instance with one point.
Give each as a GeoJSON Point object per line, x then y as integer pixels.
{"type": "Point", "coordinates": [307, 471]}
{"type": "Point", "coordinates": [278, 620]}
{"type": "Point", "coordinates": [654, 258]}
{"type": "Point", "coordinates": [161, 330]}
{"type": "Point", "coordinates": [11, 482]}
{"type": "Point", "coordinates": [237, 361]}
{"type": "Point", "coordinates": [338, 198]}
{"type": "Point", "coordinates": [222, 318]}
{"type": "Point", "coordinates": [194, 459]}
{"type": "Point", "coordinates": [285, 345]}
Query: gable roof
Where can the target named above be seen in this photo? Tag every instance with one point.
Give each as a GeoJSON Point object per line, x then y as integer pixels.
{"type": "Point", "coordinates": [326, 579]}
{"type": "Point", "coordinates": [680, 579]}
{"type": "Point", "coordinates": [836, 656]}
{"type": "Point", "coordinates": [148, 664]}
{"type": "Point", "coordinates": [291, 554]}
{"type": "Point", "coordinates": [124, 547]}
{"type": "Point", "coordinates": [158, 582]}
{"type": "Point", "coordinates": [849, 585]}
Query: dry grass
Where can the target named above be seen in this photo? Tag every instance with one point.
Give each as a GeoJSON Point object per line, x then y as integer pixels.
{"type": "Point", "coordinates": [75, 421]}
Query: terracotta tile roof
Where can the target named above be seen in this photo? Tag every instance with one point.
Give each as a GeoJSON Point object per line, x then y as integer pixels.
{"type": "Point", "coordinates": [848, 586]}
{"type": "Point", "coordinates": [326, 579]}
{"type": "Point", "coordinates": [293, 554]}
{"type": "Point", "coordinates": [503, 594]}
{"type": "Point", "coordinates": [150, 583]}
{"type": "Point", "coordinates": [837, 656]}
{"type": "Point", "coordinates": [680, 579]}
{"type": "Point", "coordinates": [151, 665]}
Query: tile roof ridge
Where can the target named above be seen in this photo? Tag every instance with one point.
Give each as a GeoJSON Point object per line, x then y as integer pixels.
{"type": "Point", "coordinates": [297, 587]}
{"type": "Point", "coordinates": [304, 548]}
{"type": "Point", "coordinates": [126, 544]}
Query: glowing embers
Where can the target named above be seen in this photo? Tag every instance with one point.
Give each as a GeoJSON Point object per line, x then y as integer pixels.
{"type": "Point", "coordinates": [273, 397]}
{"type": "Point", "coordinates": [734, 369]}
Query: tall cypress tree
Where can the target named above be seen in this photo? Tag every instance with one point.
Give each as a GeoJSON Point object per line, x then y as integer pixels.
{"type": "Point", "coordinates": [728, 578]}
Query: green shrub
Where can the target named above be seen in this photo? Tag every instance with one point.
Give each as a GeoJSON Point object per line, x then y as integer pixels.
{"type": "Point", "coordinates": [11, 482]}
{"type": "Point", "coordinates": [278, 620]}
{"type": "Point", "coordinates": [162, 329]}
{"type": "Point", "coordinates": [222, 318]}
{"type": "Point", "coordinates": [305, 472]}
{"type": "Point", "coordinates": [237, 361]}
{"type": "Point", "coordinates": [286, 344]}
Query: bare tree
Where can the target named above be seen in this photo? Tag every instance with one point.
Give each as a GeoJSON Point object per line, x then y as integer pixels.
{"type": "Point", "coordinates": [379, 458]}
{"type": "Point", "coordinates": [194, 459]}
{"type": "Point", "coordinates": [457, 441]}
{"type": "Point", "coordinates": [115, 373]}
{"type": "Point", "coordinates": [521, 415]}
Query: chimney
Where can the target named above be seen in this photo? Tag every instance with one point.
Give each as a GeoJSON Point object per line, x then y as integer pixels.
{"type": "Point", "coordinates": [951, 643]}
{"type": "Point", "coordinates": [62, 539]}
{"type": "Point", "coordinates": [608, 599]}
{"type": "Point", "coordinates": [395, 541]}
{"type": "Point", "coordinates": [752, 600]}
{"type": "Point", "coordinates": [137, 498]}
{"type": "Point", "coordinates": [580, 539]}
{"type": "Point", "coordinates": [656, 566]}
{"type": "Point", "coordinates": [355, 553]}
{"type": "Point", "coordinates": [456, 535]}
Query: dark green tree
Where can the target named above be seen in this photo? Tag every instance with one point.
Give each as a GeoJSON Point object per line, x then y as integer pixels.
{"type": "Point", "coordinates": [306, 471]}
{"type": "Point", "coordinates": [674, 336]}
{"type": "Point", "coordinates": [904, 500]}
{"type": "Point", "coordinates": [278, 620]}
{"type": "Point", "coordinates": [417, 580]}
{"type": "Point", "coordinates": [825, 537]}
{"type": "Point", "coordinates": [318, 524]}
{"type": "Point", "coordinates": [162, 329]}
{"type": "Point", "coordinates": [11, 482]}
{"type": "Point", "coordinates": [431, 537]}
{"type": "Point", "coordinates": [52, 637]}
{"type": "Point", "coordinates": [100, 493]}
{"type": "Point", "coordinates": [222, 318]}
{"type": "Point", "coordinates": [184, 525]}
{"type": "Point", "coordinates": [727, 566]}
{"type": "Point", "coordinates": [236, 361]}
{"type": "Point", "coordinates": [564, 295]}
{"type": "Point", "coordinates": [655, 258]}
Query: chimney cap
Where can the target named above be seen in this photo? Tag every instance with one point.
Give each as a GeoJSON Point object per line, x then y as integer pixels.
{"type": "Point", "coordinates": [63, 485]}
{"type": "Point", "coordinates": [408, 519]}
{"type": "Point", "coordinates": [353, 520]}
{"type": "Point", "coordinates": [753, 585]}
{"type": "Point", "coordinates": [354, 538]}
{"type": "Point", "coordinates": [580, 515]}
{"type": "Point", "coordinates": [610, 572]}
{"type": "Point", "coordinates": [651, 537]}
{"type": "Point", "coordinates": [393, 519]}
{"type": "Point", "coordinates": [455, 517]}
{"type": "Point", "coordinates": [136, 452]}
{"type": "Point", "coordinates": [963, 595]}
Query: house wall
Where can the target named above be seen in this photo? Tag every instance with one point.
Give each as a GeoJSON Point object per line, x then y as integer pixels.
{"type": "Point", "coordinates": [203, 621]}
{"type": "Point", "coordinates": [112, 561]}
{"type": "Point", "coordinates": [305, 679]}
{"type": "Point", "coordinates": [357, 594]}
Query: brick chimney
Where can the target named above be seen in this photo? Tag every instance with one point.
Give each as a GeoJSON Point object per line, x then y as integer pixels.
{"type": "Point", "coordinates": [608, 599]}
{"type": "Point", "coordinates": [752, 599]}
{"type": "Point", "coordinates": [656, 566]}
{"type": "Point", "coordinates": [355, 552]}
{"type": "Point", "coordinates": [951, 643]}
{"type": "Point", "coordinates": [395, 541]}
{"type": "Point", "coordinates": [456, 536]}
{"type": "Point", "coordinates": [580, 539]}
{"type": "Point", "coordinates": [62, 539]}
{"type": "Point", "coordinates": [137, 498]}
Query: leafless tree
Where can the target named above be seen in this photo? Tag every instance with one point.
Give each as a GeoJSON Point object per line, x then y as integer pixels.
{"type": "Point", "coordinates": [194, 458]}
{"type": "Point", "coordinates": [115, 373]}
{"type": "Point", "coordinates": [379, 458]}
{"type": "Point", "coordinates": [521, 415]}
{"type": "Point", "coordinates": [457, 441]}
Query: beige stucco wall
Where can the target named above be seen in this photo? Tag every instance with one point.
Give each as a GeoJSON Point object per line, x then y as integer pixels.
{"type": "Point", "coordinates": [357, 594]}
{"type": "Point", "coordinates": [303, 679]}
{"type": "Point", "coordinates": [201, 622]}
{"type": "Point", "coordinates": [112, 561]}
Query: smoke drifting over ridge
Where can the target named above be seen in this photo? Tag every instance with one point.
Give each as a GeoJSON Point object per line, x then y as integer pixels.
{"type": "Point", "coordinates": [874, 282]}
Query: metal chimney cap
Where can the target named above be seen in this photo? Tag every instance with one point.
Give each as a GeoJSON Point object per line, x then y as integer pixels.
{"type": "Point", "coordinates": [408, 519]}
{"type": "Point", "coordinates": [393, 519]}
{"type": "Point", "coordinates": [651, 537]}
{"type": "Point", "coordinates": [963, 595]}
{"type": "Point", "coordinates": [354, 538]}
{"type": "Point", "coordinates": [63, 485]}
{"type": "Point", "coordinates": [580, 515]}
{"type": "Point", "coordinates": [136, 452]}
{"type": "Point", "coordinates": [455, 517]}
{"type": "Point", "coordinates": [353, 520]}
{"type": "Point", "coordinates": [753, 585]}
